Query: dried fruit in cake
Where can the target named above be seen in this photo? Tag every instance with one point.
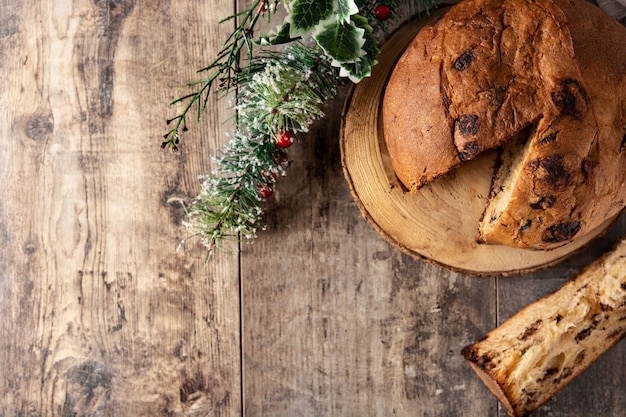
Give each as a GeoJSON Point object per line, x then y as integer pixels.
{"type": "Point", "coordinates": [489, 71]}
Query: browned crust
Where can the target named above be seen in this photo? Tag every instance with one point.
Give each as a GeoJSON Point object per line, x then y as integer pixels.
{"type": "Point", "coordinates": [605, 327]}
{"type": "Point", "coordinates": [487, 70]}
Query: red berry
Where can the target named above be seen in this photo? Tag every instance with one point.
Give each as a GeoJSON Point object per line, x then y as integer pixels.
{"type": "Point", "coordinates": [382, 12]}
{"type": "Point", "coordinates": [265, 191]}
{"type": "Point", "coordinates": [284, 139]}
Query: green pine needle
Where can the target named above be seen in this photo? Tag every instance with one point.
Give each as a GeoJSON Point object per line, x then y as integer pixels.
{"type": "Point", "coordinates": [279, 92]}
{"type": "Point", "coordinates": [276, 92]}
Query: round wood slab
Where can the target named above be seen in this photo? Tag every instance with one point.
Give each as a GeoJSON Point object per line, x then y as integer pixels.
{"type": "Point", "coordinates": [440, 222]}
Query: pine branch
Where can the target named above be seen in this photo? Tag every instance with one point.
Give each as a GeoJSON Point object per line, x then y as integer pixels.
{"type": "Point", "coordinates": [223, 69]}
{"type": "Point", "coordinates": [279, 94]}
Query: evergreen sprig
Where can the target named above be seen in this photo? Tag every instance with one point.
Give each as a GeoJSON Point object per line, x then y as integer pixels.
{"type": "Point", "coordinates": [222, 70]}
{"type": "Point", "coordinates": [285, 91]}
{"type": "Point", "coordinates": [276, 92]}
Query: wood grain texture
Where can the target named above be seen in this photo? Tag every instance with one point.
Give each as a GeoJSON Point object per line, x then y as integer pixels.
{"type": "Point", "coordinates": [101, 316]}
{"type": "Point", "coordinates": [337, 321]}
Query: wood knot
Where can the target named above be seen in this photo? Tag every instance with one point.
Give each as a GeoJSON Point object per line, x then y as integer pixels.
{"type": "Point", "coordinates": [39, 127]}
{"type": "Point", "coordinates": [87, 381]}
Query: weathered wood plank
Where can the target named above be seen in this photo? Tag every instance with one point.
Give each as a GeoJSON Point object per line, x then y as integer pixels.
{"type": "Point", "coordinates": [101, 317]}
{"type": "Point", "coordinates": [337, 321]}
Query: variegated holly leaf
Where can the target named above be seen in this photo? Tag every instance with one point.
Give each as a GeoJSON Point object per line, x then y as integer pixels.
{"type": "Point", "coordinates": [351, 45]}
{"type": "Point", "coordinates": [341, 41]}
{"type": "Point", "coordinates": [345, 9]}
{"type": "Point", "coordinates": [305, 15]}
{"type": "Point", "coordinates": [362, 67]}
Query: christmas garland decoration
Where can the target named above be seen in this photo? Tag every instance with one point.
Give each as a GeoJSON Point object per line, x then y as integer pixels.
{"type": "Point", "coordinates": [277, 94]}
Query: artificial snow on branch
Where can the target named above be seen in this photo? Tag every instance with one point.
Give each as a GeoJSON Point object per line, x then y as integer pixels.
{"type": "Point", "coordinates": [282, 81]}
{"type": "Point", "coordinates": [281, 96]}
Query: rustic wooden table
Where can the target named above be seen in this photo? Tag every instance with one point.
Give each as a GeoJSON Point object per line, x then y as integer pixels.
{"type": "Point", "coordinates": [319, 317]}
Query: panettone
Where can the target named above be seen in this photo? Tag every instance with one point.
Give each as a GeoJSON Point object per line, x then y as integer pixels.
{"type": "Point", "coordinates": [545, 82]}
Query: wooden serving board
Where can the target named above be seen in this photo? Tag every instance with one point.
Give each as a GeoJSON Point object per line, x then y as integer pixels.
{"type": "Point", "coordinates": [440, 222]}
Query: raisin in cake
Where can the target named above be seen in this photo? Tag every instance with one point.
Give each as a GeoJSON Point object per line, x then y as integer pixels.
{"type": "Point", "coordinates": [545, 81]}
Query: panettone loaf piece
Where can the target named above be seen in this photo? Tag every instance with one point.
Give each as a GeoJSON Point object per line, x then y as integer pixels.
{"type": "Point", "coordinates": [553, 71]}
{"type": "Point", "coordinates": [534, 354]}
{"type": "Point", "coordinates": [572, 175]}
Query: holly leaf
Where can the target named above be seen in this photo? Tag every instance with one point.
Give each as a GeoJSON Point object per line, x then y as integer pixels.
{"type": "Point", "coordinates": [362, 67]}
{"type": "Point", "coordinates": [306, 14]}
{"type": "Point", "coordinates": [345, 9]}
{"type": "Point", "coordinates": [341, 41]}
